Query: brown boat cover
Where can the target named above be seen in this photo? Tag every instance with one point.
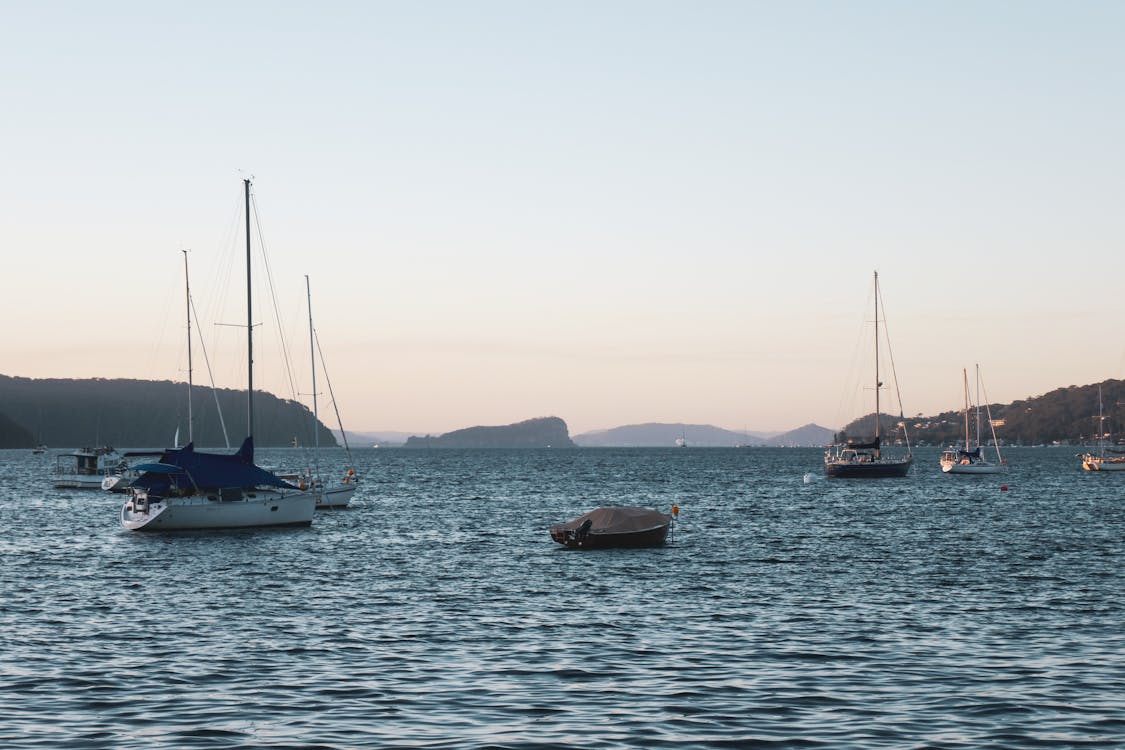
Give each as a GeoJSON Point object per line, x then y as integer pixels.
{"type": "Point", "coordinates": [618, 520]}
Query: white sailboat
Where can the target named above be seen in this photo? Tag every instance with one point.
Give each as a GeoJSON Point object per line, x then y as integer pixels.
{"type": "Point", "coordinates": [327, 496]}
{"type": "Point", "coordinates": [865, 459]}
{"type": "Point", "coordinates": [969, 459]}
{"type": "Point", "coordinates": [186, 489]}
{"type": "Point", "coordinates": [1105, 458]}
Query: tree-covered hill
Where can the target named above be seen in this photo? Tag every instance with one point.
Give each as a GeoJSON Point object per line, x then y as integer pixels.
{"type": "Point", "coordinates": [144, 414]}
{"type": "Point", "coordinates": [1064, 415]}
{"type": "Point", "coordinates": [542, 432]}
{"type": "Point", "coordinates": [13, 435]}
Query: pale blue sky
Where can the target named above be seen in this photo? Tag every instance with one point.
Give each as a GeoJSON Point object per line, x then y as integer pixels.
{"type": "Point", "coordinates": [612, 212]}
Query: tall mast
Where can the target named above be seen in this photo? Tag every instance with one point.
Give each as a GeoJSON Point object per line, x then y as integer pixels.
{"type": "Point", "coordinates": [1101, 421]}
{"type": "Point", "coordinates": [965, 411]}
{"type": "Point", "coordinates": [978, 405]}
{"type": "Point", "coordinates": [878, 450]}
{"type": "Point", "coordinates": [312, 359]}
{"type": "Point", "coordinates": [187, 295]}
{"type": "Point", "coordinates": [249, 326]}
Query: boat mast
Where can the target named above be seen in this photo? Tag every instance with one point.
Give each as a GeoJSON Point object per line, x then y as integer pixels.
{"type": "Point", "coordinates": [978, 405]}
{"type": "Point", "coordinates": [1101, 422]}
{"type": "Point", "coordinates": [965, 411]}
{"type": "Point", "coordinates": [312, 359]}
{"type": "Point", "coordinates": [249, 326]}
{"type": "Point", "coordinates": [187, 295]}
{"type": "Point", "coordinates": [878, 449]}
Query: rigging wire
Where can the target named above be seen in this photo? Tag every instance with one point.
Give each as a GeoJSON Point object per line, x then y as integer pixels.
{"type": "Point", "coordinates": [273, 298]}
{"type": "Point", "coordinates": [210, 375]}
{"type": "Point", "coordinates": [332, 396]}
{"type": "Point", "coordinates": [851, 402]}
{"type": "Point", "coordinates": [988, 410]}
{"type": "Point", "coordinates": [894, 374]}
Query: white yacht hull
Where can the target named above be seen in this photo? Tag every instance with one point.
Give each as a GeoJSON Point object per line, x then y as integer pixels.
{"type": "Point", "coordinates": [1097, 463]}
{"type": "Point", "coordinates": [981, 468]}
{"type": "Point", "coordinates": [334, 497]}
{"type": "Point", "coordinates": [118, 482]}
{"type": "Point", "coordinates": [79, 482]}
{"type": "Point", "coordinates": [254, 509]}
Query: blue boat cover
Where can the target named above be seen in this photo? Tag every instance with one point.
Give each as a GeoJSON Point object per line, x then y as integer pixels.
{"type": "Point", "coordinates": [970, 454]}
{"type": "Point", "coordinates": [184, 471]}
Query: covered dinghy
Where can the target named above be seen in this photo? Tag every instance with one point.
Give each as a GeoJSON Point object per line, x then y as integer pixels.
{"type": "Point", "coordinates": [614, 527]}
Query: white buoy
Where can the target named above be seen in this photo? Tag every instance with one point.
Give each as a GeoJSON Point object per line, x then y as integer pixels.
{"type": "Point", "coordinates": [808, 477]}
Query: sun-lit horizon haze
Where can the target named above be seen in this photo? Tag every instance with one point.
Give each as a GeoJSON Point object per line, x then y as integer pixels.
{"type": "Point", "coordinates": [613, 213]}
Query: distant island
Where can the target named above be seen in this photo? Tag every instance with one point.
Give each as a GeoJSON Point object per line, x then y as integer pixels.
{"type": "Point", "coordinates": [663, 434]}
{"type": "Point", "coordinates": [542, 432]}
{"type": "Point", "coordinates": [146, 414]}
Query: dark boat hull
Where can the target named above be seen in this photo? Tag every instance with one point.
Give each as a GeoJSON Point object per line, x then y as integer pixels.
{"type": "Point", "coordinates": [867, 470]}
{"type": "Point", "coordinates": [653, 537]}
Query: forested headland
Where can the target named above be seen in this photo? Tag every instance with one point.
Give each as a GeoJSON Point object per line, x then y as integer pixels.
{"type": "Point", "coordinates": [541, 432]}
{"type": "Point", "coordinates": [1064, 416]}
{"type": "Point", "coordinates": [144, 414]}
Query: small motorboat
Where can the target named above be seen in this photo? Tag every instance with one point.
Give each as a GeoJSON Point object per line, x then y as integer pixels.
{"type": "Point", "coordinates": [614, 527]}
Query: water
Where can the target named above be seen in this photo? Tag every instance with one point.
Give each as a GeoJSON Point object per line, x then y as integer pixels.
{"type": "Point", "coordinates": [930, 612]}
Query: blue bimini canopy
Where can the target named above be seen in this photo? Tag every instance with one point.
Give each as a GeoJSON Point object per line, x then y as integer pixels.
{"type": "Point", "coordinates": [185, 470]}
{"type": "Point", "coordinates": [975, 453]}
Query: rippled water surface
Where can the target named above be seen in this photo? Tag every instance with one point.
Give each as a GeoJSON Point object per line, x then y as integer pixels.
{"type": "Point", "coordinates": [929, 612]}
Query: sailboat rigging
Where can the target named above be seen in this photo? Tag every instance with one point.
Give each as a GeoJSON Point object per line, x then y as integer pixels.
{"type": "Point", "coordinates": [865, 459]}
{"type": "Point", "coordinates": [336, 496]}
{"type": "Point", "coordinates": [188, 489]}
{"type": "Point", "coordinates": [1104, 459]}
{"type": "Point", "coordinates": [969, 459]}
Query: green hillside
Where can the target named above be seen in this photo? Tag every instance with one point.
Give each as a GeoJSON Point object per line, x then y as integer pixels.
{"type": "Point", "coordinates": [1065, 415]}
{"type": "Point", "coordinates": [143, 414]}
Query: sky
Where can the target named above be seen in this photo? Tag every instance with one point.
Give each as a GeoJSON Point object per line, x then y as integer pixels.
{"type": "Point", "coordinates": [613, 212]}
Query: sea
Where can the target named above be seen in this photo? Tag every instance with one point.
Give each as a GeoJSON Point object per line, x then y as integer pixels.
{"type": "Point", "coordinates": [786, 610]}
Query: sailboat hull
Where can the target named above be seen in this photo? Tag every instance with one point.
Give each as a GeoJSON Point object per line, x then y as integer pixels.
{"type": "Point", "coordinates": [332, 498]}
{"type": "Point", "coordinates": [975, 468]}
{"type": "Point", "coordinates": [254, 509]}
{"type": "Point", "coordinates": [881, 469]}
{"type": "Point", "coordinates": [1099, 463]}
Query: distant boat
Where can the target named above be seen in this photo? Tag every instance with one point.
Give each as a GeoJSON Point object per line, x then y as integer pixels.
{"type": "Point", "coordinates": [865, 459]}
{"type": "Point", "coordinates": [616, 526]}
{"type": "Point", "coordinates": [969, 459]}
{"type": "Point", "coordinates": [186, 489]}
{"type": "Point", "coordinates": [1104, 458]}
{"type": "Point", "coordinates": [84, 469]}
{"type": "Point", "coordinates": [40, 447]}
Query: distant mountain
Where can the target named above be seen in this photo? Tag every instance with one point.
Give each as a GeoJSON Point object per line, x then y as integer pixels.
{"type": "Point", "coordinates": [146, 414]}
{"type": "Point", "coordinates": [543, 432]}
{"type": "Point", "coordinates": [659, 434]}
{"type": "Point", "coordinates": [810, 435]}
